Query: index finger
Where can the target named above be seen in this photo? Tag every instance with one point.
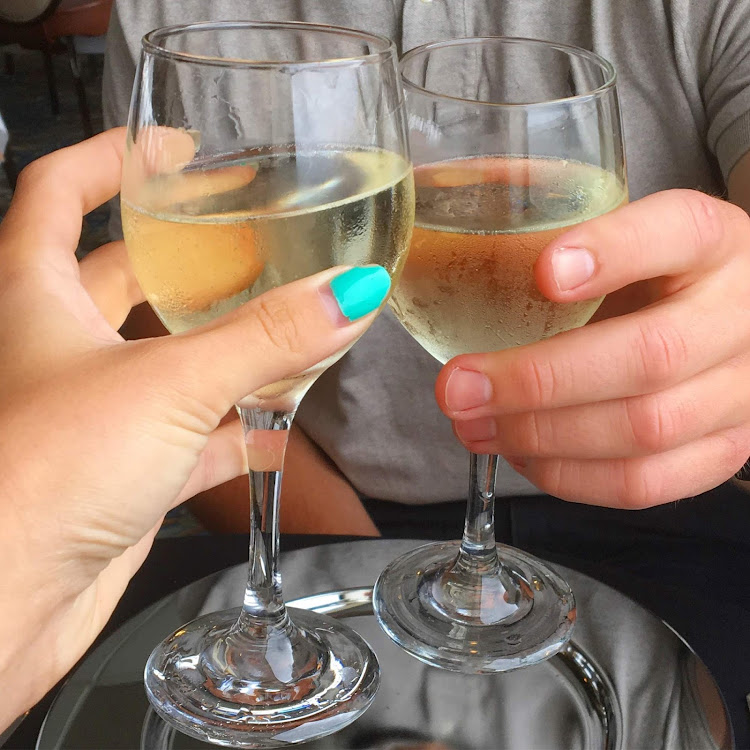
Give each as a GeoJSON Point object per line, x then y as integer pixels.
{"type": "Point", "coordinates": [642, 352]}
{"type": "Point", "coordinates": [52, 197]}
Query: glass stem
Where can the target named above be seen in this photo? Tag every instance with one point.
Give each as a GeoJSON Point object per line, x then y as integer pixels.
{"type": "Point", "coordinates": [475, 587]}
{"type": "Point", "coordinates": [263, 605]}
{"type": "Point", "coordinates": [479, 528]}
{"type": "Point", "coordinates": [478, 556]}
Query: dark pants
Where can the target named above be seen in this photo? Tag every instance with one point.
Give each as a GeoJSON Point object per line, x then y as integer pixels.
{"type": "Point", "coordinates": [705, 539]}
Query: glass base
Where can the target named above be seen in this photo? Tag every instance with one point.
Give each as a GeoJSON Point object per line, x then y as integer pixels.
{"type": "Point", "coordinates": [494, 621]}
{"type": "Point", "coordinates": [308, 679]}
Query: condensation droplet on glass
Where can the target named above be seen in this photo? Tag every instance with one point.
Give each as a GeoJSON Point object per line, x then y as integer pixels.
{"type": "Point", "coordinates": [579, 200]}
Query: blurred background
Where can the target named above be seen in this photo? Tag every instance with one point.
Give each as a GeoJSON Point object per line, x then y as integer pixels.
{"type": "Point", "coordinates": [51, 60]}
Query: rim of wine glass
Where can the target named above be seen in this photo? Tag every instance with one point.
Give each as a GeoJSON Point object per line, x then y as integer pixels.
{"type": "Point", "coordinates": [152, 43]}
{"type": "Point", "coordinates": [609, 70]}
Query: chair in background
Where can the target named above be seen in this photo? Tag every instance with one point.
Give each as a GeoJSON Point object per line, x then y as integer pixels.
{"type": "Point", "coordinates": [55, 26]}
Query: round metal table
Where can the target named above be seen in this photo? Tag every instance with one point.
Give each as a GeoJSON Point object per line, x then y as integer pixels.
{"type": "Point", "coordinates": [627, 680]}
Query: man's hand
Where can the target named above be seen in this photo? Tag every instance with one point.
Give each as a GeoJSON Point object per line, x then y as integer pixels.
{"type": "Point", "coordinates": [635, 410]}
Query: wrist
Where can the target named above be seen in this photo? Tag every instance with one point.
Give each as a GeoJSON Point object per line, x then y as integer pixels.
{"type": "Point", "coordinates": [39, 644]}
{"type": "Point", "coordinates": [22, 683]}
{"type": "Point", "coordinates": [34, 607]}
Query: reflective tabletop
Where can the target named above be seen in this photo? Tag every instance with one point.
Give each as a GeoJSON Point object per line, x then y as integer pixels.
{"type": "Point", "coordinates": [627, 680]}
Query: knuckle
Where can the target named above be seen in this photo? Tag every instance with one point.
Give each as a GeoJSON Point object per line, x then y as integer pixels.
{"type": "Point", "coordinates": [537, 382]}
{"type": "Point", "coordinates": [33, 173]}
{"type": "Point", "coordinates": [553, 477]}
{"type": "Point", "coordinates": [653, 427]}
{"type": "Point", "coordinates": [639, 486]}
{"type": "Point", "coordinates": [281, 324]}
{"type": "Point", "coordinates": [703, 215]}
{"type": "Point", "coordinates": [179, 380]}
{"type": "Point", "coordinates": [527, 435]}
{"type": "Point", "coordinates": [661, 349]}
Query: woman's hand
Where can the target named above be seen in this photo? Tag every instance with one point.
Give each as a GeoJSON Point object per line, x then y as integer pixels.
{"type": "Point", "coordinates": [101, 437]}
{"type": "Point", "coordinates": [636, 410]}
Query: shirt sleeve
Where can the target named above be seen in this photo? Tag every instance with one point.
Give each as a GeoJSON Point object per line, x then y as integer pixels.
{"type": "Point", "coordinates": [718, 36]}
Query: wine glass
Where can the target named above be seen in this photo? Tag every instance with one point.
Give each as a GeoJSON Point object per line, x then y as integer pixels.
{"type": "Point", "coordinates": [513, 141]}
{"type": "Point", "coordinates": [257, 154]}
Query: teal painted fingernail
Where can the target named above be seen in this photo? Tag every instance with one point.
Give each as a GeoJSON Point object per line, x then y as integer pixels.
{"type": "Point", "coordinates": [361, 290]}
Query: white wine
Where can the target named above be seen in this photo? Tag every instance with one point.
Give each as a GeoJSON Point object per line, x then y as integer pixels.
{"type": "Point", "coordinates": [206, 240]}
{"type": "Point", "coordinates": [480, 225]}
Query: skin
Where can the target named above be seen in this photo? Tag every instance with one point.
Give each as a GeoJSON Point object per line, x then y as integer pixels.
{"type": "Point", "coordinates": [663, 388]}
{"type": "Point", "coordinates": [101, 437]}
{"type": "Point", "coordinates": [316, 497]}
{"type": "Point", "coordinates": [659, 378]}
{"type": "Point", "coordinates": [640, 409]}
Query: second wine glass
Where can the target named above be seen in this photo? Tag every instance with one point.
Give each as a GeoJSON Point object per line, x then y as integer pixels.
{"type": "Point", "coordinates": [513, 141]}
{"type": "Point", "coordinates": [257, 154]}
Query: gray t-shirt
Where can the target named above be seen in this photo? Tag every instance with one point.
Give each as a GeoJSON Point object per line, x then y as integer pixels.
{"type": "Point", "coordinates": [684, 85]}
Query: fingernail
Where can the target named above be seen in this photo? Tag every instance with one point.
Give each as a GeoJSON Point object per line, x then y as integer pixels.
{"type": "Point", "coordinates": [467, 389]}
{"type": "Point", "coordinates": [572, 266]}
{"type": "Point", "coordinates": [360, 290]}
{"type": "Point", "coordinates": [476, 430]}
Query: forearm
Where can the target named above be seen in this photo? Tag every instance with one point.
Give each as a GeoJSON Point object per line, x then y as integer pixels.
{"type": "Point", "coordinates": [20, 690]}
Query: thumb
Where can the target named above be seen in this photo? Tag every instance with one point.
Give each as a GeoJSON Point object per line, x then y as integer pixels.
{"type": "Point", "coordinates": [676, 233]}
{"type": "Point", "coordinates": [278, 336]}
